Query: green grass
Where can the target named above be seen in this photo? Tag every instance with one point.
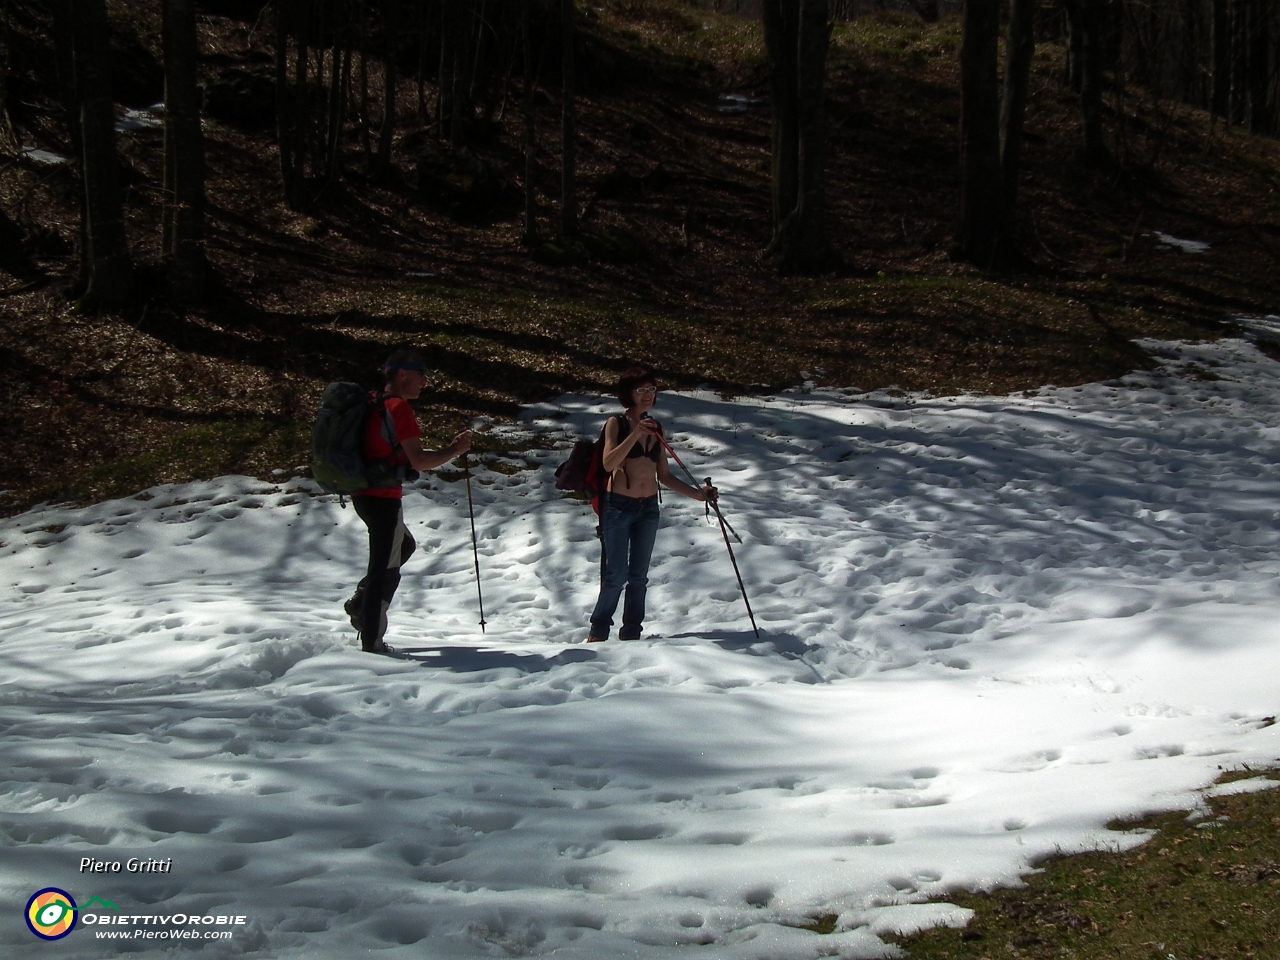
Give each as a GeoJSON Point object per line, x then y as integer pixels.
{"type": "Point", "coordinates": [1206, 888]}
{"type": "Point", "coordinates": [250, 447]}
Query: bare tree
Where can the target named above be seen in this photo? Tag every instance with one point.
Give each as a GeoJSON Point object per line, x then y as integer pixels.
{"type": "Point", "coordinates": [110, 270]}
{"type": "Point", "coordinates": [1020, 47]}
{"type": "Point", "coordinates": [64, 50]}
{"type": "Point", "coordinates": [781, 26]}
{"type": "Point", "coordinates": [530, 139]}
{"type": "Point", "coordinates": [568, 123]}
{"type": "Point", "coordinates": [1085, 31]}
{"type": "Point", "coordinates": [1092, 47]}
{"type": "Point", "coordinates": [1260, 55]}
{"type": "Point", "coordinates": [7, 134]}
{"type": "Point", "coordinates": [391, 13]}
{"type": "Point", "coordinates": [184, 168]}
{"type": "Point", "coordinates": [288, 134]}
{"type": "Point", "coordinates": [982, 207]}
{"type": "Point", "coordinates": [797, 38]}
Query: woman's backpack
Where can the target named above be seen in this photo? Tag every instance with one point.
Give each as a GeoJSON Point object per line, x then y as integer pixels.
{"type": "Point", "coordinates": [583, 472]}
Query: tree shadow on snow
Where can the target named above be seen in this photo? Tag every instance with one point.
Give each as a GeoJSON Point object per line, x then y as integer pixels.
{"type": "Point", "coordinates": [771, 645]}
{"type": "Point", "coordinates": [476, 660]}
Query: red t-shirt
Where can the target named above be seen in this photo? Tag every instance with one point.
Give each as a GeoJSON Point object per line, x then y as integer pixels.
{"type": "Point", "coordinates": [377, 445]}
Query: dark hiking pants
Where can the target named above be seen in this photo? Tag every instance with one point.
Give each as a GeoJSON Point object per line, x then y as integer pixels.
{"type": "Point", "coordinates": [390, 545]}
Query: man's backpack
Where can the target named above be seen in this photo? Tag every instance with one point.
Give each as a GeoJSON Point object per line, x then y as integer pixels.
{"type": "Point", "coordinates": [338, 462]}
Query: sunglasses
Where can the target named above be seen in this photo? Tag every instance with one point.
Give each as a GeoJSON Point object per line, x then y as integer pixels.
{"type": "Point", "coordinates": [645, 390]}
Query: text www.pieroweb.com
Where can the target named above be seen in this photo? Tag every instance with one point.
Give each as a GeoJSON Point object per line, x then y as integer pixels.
{"type": "Point", "coordinates": [173, 927]}
{"type": "Point", "coordinates": [141, 934]}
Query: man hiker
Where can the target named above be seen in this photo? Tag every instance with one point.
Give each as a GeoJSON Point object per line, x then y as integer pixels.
{"type": "Point", "coordinates": [390, 543]}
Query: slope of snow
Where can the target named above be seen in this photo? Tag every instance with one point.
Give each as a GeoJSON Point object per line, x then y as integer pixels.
{"type": "Point", "coordinates": [989, 626]}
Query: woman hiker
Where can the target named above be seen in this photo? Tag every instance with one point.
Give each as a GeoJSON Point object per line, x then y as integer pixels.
{"type": "Point", "coordinates": [635, 463]}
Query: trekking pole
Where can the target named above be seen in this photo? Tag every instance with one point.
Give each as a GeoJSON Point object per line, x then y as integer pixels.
{"type": "Point", "coordinates": [725, 530]}
{"type": "Point", "coordinates": [734, 560]}
{"type": "Point", "coordinates": [475, 551]}
{"type": "Point", "coordinates": [676, 457]}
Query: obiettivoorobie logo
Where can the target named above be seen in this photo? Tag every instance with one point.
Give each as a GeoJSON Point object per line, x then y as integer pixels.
{"type": "Point", "coordinates": [51, 913]}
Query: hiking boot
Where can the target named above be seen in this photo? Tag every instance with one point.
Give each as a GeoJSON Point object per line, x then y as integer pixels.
{"type": "Point", "coordinates": [382, 648]}
{"type": "Point", "coordinates": [352, 608]}
{"type": "Point", "coordinates": [591, 639]}
{"type": "Point", "coordinates": [628, 635]}
{"type": "Point", "coordinates": [376, 647]}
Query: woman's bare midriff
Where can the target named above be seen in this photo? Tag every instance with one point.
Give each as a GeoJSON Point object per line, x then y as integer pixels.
{"type": "Point", "coordinates": [638, 477]}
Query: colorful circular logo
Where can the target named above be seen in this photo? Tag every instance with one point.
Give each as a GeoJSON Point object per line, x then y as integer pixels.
{"type": "Point", "coordinates": [51, 913]}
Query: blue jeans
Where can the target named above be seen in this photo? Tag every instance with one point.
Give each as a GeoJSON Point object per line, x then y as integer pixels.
{"type": "Point", "coordinates": [628, 526]}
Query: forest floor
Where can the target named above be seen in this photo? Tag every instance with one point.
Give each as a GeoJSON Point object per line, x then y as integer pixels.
{"type": "Point", "coordinates": [675, 190]}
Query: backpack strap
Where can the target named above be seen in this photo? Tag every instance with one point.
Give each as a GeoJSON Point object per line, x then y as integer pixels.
{"type": "Point", "coordinates": [381, 403]}
{"type": "Point", "coordinates": [389, 432]}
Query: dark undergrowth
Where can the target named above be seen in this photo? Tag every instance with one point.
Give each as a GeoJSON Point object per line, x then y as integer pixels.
{"type": "Point", "coordinates": [667, 272]}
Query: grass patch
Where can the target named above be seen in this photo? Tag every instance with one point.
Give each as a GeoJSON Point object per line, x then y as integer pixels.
{"type": "Point", "coordinates": [1202, 888]}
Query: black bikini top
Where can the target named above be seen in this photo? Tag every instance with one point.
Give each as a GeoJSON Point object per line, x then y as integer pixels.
{"type": "Point", "coordinates": [638, 451]}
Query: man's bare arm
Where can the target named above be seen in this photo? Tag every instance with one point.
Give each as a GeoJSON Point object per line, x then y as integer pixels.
{"type": "Point", "coordinates": [424, 460]}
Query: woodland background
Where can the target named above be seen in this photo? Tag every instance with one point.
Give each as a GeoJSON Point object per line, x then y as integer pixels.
{"type": "Point", "coordinates": [208, 210]}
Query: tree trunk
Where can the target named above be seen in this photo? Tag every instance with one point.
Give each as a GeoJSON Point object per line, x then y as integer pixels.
{"type": "Point", "coordinates": [1237, 107]}
{"type": "Point", "coordinates": [110, 269]}
{"type": "Point", "coordinates": [474, 84]}
{"type": "Point", "coordinates": [64, 46]}
{"type": "Point", "coordinates": [530, 130]}
{"type": "Point", "coordinates": [286, 114]}
{"type": "Point", "coordinates": [568, 123]}
{"type": "Point", "coordinates": [444, 89]}
{"type": "Point", "coordinates": [1020, 47]}
{"type": "Point", "coordinates": [1260, 67]}
{"type": "Point", "coordinates": [797, 38]}
{"type": "Point", "coordinates": [457, 61]}
{"type": "Point", "coordinates": [1071, 13]}
{"type": "Point", "coordinates": [1221, 59]}
{"type": "Point", "coordinates": [1091, 49]}
{"type": "Point", "coordinates": [7, 134]}
{"type": "Point", "coordinates": [811, 253]}
{"type": "Point", "coordinates": [982, 209]}
{"type": "Point", "coordinates": [338, 95]}
{"type": "Point", "coordinates": [781, 37]}
{"type": "Point", "coordinates": [365, 142]}
{"type": "Point", "coordinates": [391, 25]}
{"type": "Point", "coordinates": [423, 34]}
{"type": "Point", "coordinates": [184, 153]}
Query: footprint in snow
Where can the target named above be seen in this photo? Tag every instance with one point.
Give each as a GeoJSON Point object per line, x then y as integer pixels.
{"type": "Point", "coordinates": [870, 839]}
{"type": "Point", "coordinates": [632, 832]}
{"type": "Point", "coordinates": [722, 839]}
{"type": "Point", "coordinates": [173, 821]}
{"type": "Point", "coordinates": [259, 833]}
{"type": "Point", "coordinates": [485, 821]}
{"type": "Point", "coordinates": [928, 800]}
